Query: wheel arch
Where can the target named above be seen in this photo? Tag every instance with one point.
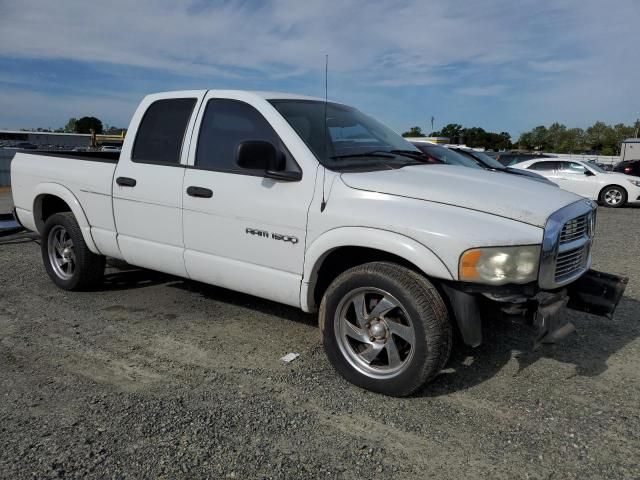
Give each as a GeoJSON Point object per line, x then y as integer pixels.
{"type": "Point", "coordinates": [342, 248]}
{"type": "Point", "coordinates": [51, 198]}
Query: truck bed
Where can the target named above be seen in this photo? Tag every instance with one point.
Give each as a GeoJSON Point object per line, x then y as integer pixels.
{"type": "Point", "coordinates": [82, 179]}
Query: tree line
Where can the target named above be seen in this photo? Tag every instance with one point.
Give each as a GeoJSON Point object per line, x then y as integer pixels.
{"type": "Point", "coordinates": [599, 138]}
{"type": "Point", "coordinates": [86, 125]}
{"type": "Point", "coordinates": [472, 137]}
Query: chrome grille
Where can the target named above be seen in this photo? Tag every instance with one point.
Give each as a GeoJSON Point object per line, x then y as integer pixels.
{"type": "Point", "coordinates": [566, 245]}
{"type": "Point", "coordinates": [570, 262]}
{"type": "Point", "coordinates": [574, 229]}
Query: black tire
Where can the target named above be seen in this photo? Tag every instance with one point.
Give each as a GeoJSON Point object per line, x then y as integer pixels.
{"type": "Point", "coordinates": [427, 317]}
{"type": "Point", "coordinates": [88, 268]}
{"type": "Point", "coordinates": [611, 192]}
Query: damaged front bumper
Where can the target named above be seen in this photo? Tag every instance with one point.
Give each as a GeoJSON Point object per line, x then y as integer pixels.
{"type": "Point", "coordinates": [595, 292]}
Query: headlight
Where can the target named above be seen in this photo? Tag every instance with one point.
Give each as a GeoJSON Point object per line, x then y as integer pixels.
{"type": "Point", "coordinates": [500, 265]}
{"type": "Point", "coordinates": [635, 182]}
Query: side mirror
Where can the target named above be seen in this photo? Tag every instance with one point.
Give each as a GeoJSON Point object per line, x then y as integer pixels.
{"type": "Point", "coordinates": [261, 155]}
{"type": "Point", "coordinates": [257, 155]}
{"type": "Point", "coordinates": [589, 173]}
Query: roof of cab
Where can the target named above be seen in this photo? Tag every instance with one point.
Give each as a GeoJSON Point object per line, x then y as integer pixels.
{"type": "Point", "coordinates": [287, 96]}
{"type": "Point", "coordinates": [263, 94]}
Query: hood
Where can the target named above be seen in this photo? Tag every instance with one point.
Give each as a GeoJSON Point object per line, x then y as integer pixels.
{"type": "Point", "coordinates": [531, 175]}
{"type": "Point", "coordinates": [490, 192]}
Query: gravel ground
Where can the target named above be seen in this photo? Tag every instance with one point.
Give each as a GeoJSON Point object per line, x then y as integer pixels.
{"type": "Point", "coordinates": [158, 377]}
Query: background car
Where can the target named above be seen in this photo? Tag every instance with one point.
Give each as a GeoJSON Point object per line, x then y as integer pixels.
{"type": "Point", "coordinates": [509, 159]}
{"type": "Point", "coordinates": [611, 189]}
{"type": "Point", "coordinates": [489, 163]}
{"type": "Point", "coordinates": [439, 154]}
{"type": "Point", "coordinates": [602, 166]}
{"type": "Point", "coordinates": [22, 146]}
{"type": "Point", "coordinates": [630, 167]}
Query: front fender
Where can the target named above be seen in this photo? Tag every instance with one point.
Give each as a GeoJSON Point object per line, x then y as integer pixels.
{"type": "Point", "coordinates": [390, 242]}
{"type": "Point", "coordinates": [70, 199]}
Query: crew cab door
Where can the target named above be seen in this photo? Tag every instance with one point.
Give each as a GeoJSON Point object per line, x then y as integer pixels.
{"type": "Point", "coordinates": [547, 168]}
{"type": "Point", "coordinates": [147, 188]}
{"type": "Point", "coordinates": [244, 231]}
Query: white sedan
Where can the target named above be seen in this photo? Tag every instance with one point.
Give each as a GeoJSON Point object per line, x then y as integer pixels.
{"type": "Point", "coordinates": [611, 189]}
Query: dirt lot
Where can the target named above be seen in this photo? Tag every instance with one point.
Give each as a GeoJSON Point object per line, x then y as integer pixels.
{"type": "Point", "coordinates": [157, 377]}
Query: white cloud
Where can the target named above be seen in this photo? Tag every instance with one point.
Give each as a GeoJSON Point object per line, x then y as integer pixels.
{"type": "Point", "coordinates": [392, 39]}
{"type": "Point", "coordinates": [532, 51]}
{"type": "Point", "coordinates": [482, 91]}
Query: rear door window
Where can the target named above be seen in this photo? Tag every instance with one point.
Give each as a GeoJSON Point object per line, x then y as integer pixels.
{"type": "Point", "coordinates": [162, 130]}
{"type": "Point", "coordinates": [544, 166]}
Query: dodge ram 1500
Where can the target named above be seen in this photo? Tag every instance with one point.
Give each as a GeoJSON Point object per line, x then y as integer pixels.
{"type": "Point", "coordinates": [317, 205]}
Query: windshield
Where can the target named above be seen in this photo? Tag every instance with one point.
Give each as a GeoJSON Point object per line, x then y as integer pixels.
{"type": "Point", "coordinates": [593, 166]}
{"type": "Point", "coordinates": [445, 155]}
{"type": "Point", "coordinates": [353, 139]}
{"type": "Point", "coordinates": [484, 158]}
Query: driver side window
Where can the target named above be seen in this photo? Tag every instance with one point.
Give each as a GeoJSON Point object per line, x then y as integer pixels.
{"type": "Point", "coordinates": [225, 125]}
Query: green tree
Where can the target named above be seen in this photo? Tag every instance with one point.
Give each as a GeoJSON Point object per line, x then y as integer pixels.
{"type": "Point", "coordinates": [453, 130]}
{"type": "Point", "coordinates": [596, 135]}
{"type": "Point", "coordinates": [71, 125]}
{"type": "Point", "coordinates": [499, 141]}
{"type": "Point", "coordinates": [525, 142]}
{"type": "Point", "coordinates": [539, 137]}
{"type": "Point", "coordinates": [555, 134]}
{"type": "Point", "coordinates": [86, 124]}
{"type": "Point", "coordinates": [571, 140]}
{"type": "Point", "coordinates": [413, 132]}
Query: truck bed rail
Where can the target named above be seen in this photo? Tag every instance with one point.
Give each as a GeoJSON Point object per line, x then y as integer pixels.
{"type": "Point", "coordinates": [109, 157]}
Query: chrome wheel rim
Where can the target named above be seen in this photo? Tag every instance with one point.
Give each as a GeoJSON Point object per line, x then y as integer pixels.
{"type": "Point", "coordinates": [374, 333]}
{"type": "Point", "coordinates": [613, 196]}
{"type": "Point", "coordinates": [62, 256]}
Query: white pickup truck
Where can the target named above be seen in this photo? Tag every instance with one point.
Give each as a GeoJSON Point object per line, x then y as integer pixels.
{"type": "Point", "coordinates": [319, 206]}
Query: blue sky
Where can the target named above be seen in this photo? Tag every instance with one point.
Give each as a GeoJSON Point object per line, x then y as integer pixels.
{"type": "Point", "coordinates": [501, 65]}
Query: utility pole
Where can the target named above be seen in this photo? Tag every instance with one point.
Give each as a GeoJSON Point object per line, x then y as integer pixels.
{"type": "Point", "coordinates": [637, 126]}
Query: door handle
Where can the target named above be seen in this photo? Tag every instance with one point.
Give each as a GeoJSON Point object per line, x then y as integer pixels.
{"type": "Point", "coordinates": [199, 192]}
{"type": "Point", "coordinates": [126, 181]}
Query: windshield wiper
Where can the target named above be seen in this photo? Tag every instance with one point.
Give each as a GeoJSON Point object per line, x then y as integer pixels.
{"type": "Point", "coordinates": [385, 154]}
{"type": "Point", "coordinates": [409, 153]}
{"type": "Point", "coordinates": [376, 153]}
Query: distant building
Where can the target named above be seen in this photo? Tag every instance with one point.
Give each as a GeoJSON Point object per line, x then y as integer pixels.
{"type": "Point", "coordinates": [42, 139]}
{"type": "Point", "coordinates": [630, 149]}
{"type": "Point", "coordinates": [437, 140]}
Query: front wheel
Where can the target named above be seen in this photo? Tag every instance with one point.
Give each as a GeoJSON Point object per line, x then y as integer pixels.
{"type": "Point", "coordinates": [613, 196]}
{"type": "Point", "coordinates": [385, 328]}
{"type": "Point", "coordinates": [67, 259]}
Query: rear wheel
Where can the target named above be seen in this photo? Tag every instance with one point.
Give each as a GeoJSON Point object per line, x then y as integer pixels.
{"type": "Point", "coordinates": [385, 328]}
{"type": "Point", "coordinates": [67, 259]}
{"type": "Point", "coordinates": [613, 196]}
